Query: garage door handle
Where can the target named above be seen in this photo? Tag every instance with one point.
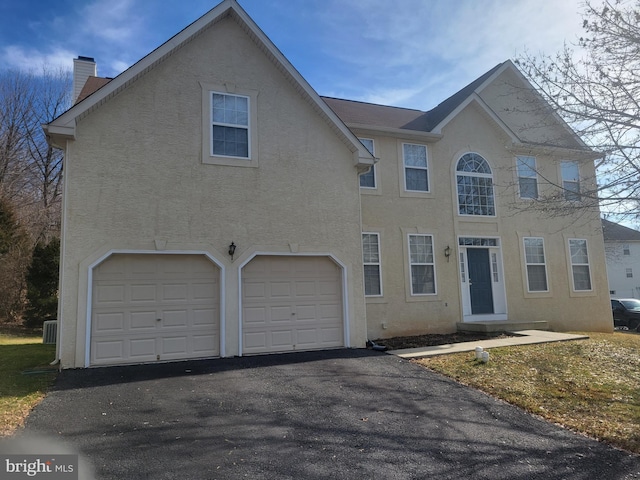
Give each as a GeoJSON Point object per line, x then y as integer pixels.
{"type": "Point", "coordinates": [158, 319]}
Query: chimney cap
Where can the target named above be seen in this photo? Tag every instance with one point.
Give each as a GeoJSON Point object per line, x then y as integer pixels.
{"type": "Point", "coordinates": [86, 59]}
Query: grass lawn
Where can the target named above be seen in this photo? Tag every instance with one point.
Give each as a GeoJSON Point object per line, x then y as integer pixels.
{"type": "Point", "coordinates": [590, 386]}
{"type": "Point", "coordinates": [25, 375]}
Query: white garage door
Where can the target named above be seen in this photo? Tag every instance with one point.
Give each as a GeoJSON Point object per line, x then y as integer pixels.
{"type": "Point", "coordinates": [291, 303]}
{"type": "Point", "coordinates": [154, 307]}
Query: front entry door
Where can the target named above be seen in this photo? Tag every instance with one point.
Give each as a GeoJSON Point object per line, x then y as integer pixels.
{"type": "Point", "coordinates": [480, 288]}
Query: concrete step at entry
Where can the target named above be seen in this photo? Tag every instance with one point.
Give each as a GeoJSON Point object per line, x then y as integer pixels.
{"type": "Point", "coordinates": [501, 326]}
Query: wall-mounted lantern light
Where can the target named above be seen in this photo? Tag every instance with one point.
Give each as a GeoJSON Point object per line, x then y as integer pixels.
{"type": "Point", "coordinates": [232, 249]}
{"type": "Point", "coordinates": [447, 252]}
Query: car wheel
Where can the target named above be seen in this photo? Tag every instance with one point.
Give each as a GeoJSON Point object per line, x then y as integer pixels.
{"type": "Point", "coordinates": [634, 325]}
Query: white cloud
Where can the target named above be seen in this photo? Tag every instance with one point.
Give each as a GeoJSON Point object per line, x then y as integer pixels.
{"type": "Point", "coordinates": [435, 48]}
{"type": "Point", "coordinates": [30, 59]}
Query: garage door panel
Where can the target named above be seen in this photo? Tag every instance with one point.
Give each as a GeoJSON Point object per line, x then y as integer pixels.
{"type": "Point", "coordinates": [306, 289]}
{"type": "Point", "coordinates": [175, 292]}
{"type": "Point", "coordinates": [254, 290]}
{"type": "Point", "coordinates": [280, 314]}
{"type": "Point", "coordinates": [205, 345]}
{"type": "Point", "coordinates": [110, 294]}
{"type": "Point", "coordinates": [106, 351]}
{"type": "Point", "coordinates": [254, 315]}
{"type": "Point", "coordinates": [255, 341]}
{"type": "Point", "coordinates": [142, 293]}
{"type": "Point", "coordinates": [174, 345]}
{"type": "Point", "coordinates": [204, 291]}
{"type": "Point", "coordinates": [288, 302]}
{"type": "Point", "coordinates": [109, 322]}
{"type": "Point", "coordinates": [142, 347]}
{"type": "Point", "coordinates": [205, 317]}
{"type": "Point", "coordinates": [280, 290]}
{"type": "Point", "coordinates": [131, 292]}
{"type": "Point", "coordinates": [328, 289]}
{"type": "Point", "coordinates": [143, 320]}
{"type": "Point", "coordinates": [282, 339]}
{"type": "Point", "coordinates": [174, 318]}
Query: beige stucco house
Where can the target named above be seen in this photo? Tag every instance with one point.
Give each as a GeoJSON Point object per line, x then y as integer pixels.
{"type": "Point", "coordinates": [217, 207]}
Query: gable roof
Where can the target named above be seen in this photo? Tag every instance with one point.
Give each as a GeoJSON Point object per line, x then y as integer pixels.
{"type": "Point", "coordinates": [372, 115]}
{"type": "Point", "coordinates": [63, 127]}
{"type": "Point", "coordinates": [614, 232]}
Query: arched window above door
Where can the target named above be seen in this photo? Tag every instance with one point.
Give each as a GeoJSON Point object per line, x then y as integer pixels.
{"type": "Point", "coordinates": [474, 181]}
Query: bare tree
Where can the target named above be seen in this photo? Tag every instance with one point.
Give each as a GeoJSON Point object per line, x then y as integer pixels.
{"type": "Point", "coordinates": [594, 85]}
{"type": "Point", "coordinates": [30, 169]}
{"type": "Point", "coordinates": [30, 175]}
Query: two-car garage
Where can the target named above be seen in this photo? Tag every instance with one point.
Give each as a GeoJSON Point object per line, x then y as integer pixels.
{"type": "Point", "coordinates": [162, 307]}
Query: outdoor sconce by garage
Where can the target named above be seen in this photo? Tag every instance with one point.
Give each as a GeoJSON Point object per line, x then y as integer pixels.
{"type": "Point", "coordinates": [232, 249]}
{"type": "Point", "coordinates": [447, 252]}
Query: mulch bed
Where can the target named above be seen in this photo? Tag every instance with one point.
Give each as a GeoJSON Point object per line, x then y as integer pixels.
{"type": "Point", "coordinates": [431, 340]}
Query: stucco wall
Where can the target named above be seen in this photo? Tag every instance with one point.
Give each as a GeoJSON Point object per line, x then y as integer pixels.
{"type": "Point", "coordinates": [390, 212]}
{"type": "Point", "coordinates": [135, 180]}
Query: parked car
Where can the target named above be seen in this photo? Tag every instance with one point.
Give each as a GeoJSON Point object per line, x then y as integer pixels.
{"type": "Point", "coordinates": [626, 313]}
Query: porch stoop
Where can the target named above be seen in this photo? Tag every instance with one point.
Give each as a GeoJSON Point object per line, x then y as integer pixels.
{"type": "Point", "coordinates": [501, 326]}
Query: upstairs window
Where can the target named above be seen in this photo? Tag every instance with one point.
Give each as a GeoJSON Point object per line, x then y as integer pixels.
{"type": "Point", "coordinates": [474, 181]}
{"type": "Point", "coordinates": [230, 125]}
{"type": "Point", "coordinates": [571, 180]}
{"type": "Point", "coordinates": [527, 177]}
{"type": "Point", "coordinates": [626, 249]}
{"type": "Point", "coordinates": [416, 172]}
{"type": "Point", "coordinates": [368, 180]}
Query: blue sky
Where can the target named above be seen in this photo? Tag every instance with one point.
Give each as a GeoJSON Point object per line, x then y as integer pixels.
{"type": "Point", "coordinates": [411, 53]}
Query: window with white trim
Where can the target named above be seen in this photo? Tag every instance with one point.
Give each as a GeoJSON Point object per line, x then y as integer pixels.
{"type": "Point", "coordinates": [371, 260]}
{"type": "Point", "coordinates": [368, 180]}
{"type": "Point", "coordinates": [571, 180]}
{"type": "Point", "coordinates": [535, 264]}
{"type": "Point", "coordinates": [527, 177]}
{"type": "Point", "coordinates": [422, 265]}
{"type": "Point", "coordinates": [416, 167]}
{"type": "Point", "coordinates": [230, 125]}
{"type": "Point", "coordinates": [626, 249]}
{"type": "Point", "coordinates": [474, 181]}
{"type": "Point", "coordinates": [580, 268]}
{"type": "Point", "coordinates": [629, 272]}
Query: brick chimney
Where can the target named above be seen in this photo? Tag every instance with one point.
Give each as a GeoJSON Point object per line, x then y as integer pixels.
{"type": "Point", "coordinates": [83, 68]}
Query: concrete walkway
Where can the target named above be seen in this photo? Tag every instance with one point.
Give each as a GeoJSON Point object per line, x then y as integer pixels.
{"type": "Point", "coordinates": [522, 337]}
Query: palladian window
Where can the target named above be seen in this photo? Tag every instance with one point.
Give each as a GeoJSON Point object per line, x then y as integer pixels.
{"type": "Point", "coordinates": [474, 181]}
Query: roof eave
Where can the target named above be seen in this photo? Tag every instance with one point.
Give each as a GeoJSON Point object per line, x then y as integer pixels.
{"type": "Point", "coordinates": [59, 135]}
{"type": "Point", "coordinates": [422, 136]}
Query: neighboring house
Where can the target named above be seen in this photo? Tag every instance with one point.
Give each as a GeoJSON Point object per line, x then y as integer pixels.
{"type": "Point", "coordinates": [622, 249]}
{"type": "Point", "coordinates": [215, 205]}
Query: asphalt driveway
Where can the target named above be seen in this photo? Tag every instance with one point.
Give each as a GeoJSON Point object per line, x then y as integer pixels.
{"type": "Point", "coordinates": [345, 414]}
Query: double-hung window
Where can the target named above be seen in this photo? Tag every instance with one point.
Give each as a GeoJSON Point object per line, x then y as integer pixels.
{"type": "Point", "coordinates": [416, 169]}
{"type": "Point", "coordinates": [371, 260]}
{"type": "Point", "coordinates": [368, 180]}
{"type": "Point", "coordinates": [571, 180]}
{"type": "Point", "coordinates": [422, 264]}
{"type": "Point", "coordinates": [536, 264]}
{"type": "Point", "coordinates": [580, 264]}
{"type": "Point", "coordinates": [230, 125]}
{"type": "Point", "coordinates": [527, 177]}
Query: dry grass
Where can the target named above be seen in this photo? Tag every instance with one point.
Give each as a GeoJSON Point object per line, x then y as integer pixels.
{"type": "Point", "coordinates": [591, 386]}
{"type": "Point", "coordinates": [24, 378]}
